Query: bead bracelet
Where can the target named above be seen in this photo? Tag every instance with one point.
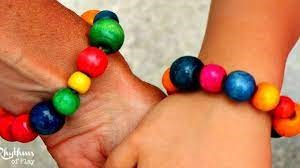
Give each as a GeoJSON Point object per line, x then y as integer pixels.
{"type": "Point", "coordinates": [106, 36]}
{"type": "Point", "coordinates": [188, 73]}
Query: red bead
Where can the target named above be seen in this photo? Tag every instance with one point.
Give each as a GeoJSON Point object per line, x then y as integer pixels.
{"type": "Point", "coordinates": [288, 127]}
{"type": "Point", "coordinates": [3, 112]}
{"type": "Point", "coordinates": [92, 61]}
{"type": "Point", "coordinates": [5, 127]}
{"type": "Point", "coordinates": [21, 129]}
{"type": "Point", "coordinates": [285, 108]}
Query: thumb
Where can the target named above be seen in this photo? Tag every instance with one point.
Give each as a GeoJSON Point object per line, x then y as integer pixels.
{"type": "Point", "coordinates": [124, 156]}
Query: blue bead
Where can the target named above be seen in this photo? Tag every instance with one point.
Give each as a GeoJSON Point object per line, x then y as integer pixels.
{"type": "Point", "coordinates": [185, 71]}
{"type": "Point", "coordinates": [106, 14]}
{"type": "Point", "coordinates": [45, 120]}
{"type": "Point", "coordinates": [240, 86]}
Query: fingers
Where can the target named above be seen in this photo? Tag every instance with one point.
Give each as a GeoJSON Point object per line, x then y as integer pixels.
{"type": "Point", "coordinates": [124, 156]}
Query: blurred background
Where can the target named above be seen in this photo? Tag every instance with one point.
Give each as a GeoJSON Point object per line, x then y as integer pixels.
{"type": "Point", "coordinates": [157, 32]}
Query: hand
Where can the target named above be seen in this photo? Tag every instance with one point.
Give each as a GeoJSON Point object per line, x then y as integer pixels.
{"type": "Point", "coordinates": [196, 130]}
{"type": "Point", "coordinates": [209, 131]}
{"type": "Point", "coordinates": [37, 58]}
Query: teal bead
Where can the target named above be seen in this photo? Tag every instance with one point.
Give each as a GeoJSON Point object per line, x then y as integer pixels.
{"type": "Point", "coordinates": [66, 101]}
{"type": "Point", "coordinates": [106, 14]}
{"type": "Point", "coordinates": [108, 34]}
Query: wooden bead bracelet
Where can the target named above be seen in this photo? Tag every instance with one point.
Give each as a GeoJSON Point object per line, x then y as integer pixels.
{"type": "Point", "coordinates": [188, 73]}
{"type": "Point", "coordinates": [106, 37]}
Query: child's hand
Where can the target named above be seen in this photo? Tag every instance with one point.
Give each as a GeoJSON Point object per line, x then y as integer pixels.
{"type": "Point", "coordinates": [38, 54]}
{"type": "Point", "coordinates": [209, 131]}
{"type": "Point", "coordinates": [195, 130]}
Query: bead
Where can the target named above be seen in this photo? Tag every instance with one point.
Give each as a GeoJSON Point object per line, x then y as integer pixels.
{"type": "Point", "coordinates": [212, 77]}
{"type": "Point", "coordinates": [239, 86]}
{"type": "Point", "coordinates": [5, 127]}
{"type": "Point", "coordinates": [89, 16]}
{"type": "Point", "coordinates": [288, 127]}
{"type": "Point", "coordinates": [106, 14]}
{"type": "Point", "coordinates": [79, 82]}
{"type": "Point", "coordinates": [266, 97]}
{"type": "Point", "coordinates": [92, 61]}
{"type": "Point", "coordinates": [167, 83]}
{"type": "Point", "coordinates": [66, 101]}
{"type": "Point", "coordinates": [108, 34]}
{"type": "Point", "coordinates": [275, 134]}
{"type": "Point", "coordinates": [285, 108]}
{"type": "Point", "coordinates": [44, 120]}
{"type": "Point", "coordinates": [3, 112]}
{"type": "Point", "coordinates": [21, 130]}
{"type": "Point", "coordinates": [185, 71]}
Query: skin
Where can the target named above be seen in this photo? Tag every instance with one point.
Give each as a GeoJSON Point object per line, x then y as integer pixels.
{"type": "Point", "coordinates": [207, 130]}
{"type": "Point", "coordinates": [175, 133]}
{"type": "Point", "coordinates": [40, 41]}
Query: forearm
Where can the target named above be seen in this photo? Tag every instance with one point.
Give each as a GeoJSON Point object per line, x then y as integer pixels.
{"type": "Point", "coordinates": [255, 36]}
{"type": "Point", "coordinates": [45, 36]}
{"type": "Point", "coordinates": [29, 29]}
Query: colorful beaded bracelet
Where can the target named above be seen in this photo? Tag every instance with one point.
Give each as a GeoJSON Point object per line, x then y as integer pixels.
{"type": "Point", "coordinates": [106, 36]}
{"type": "Point", "coordinates": [188, 73]}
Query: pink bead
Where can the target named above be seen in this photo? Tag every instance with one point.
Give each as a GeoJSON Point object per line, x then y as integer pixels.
{"type": "Point", "coordinates": [211, 78]}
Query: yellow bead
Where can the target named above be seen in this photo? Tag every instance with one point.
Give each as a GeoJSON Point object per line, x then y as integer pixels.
{"type": "Point", "coordinates": [89, 16]}
{"type": "Point", "coordinates": [266, 97]}
{"type": "Point", "coordinates": [79, 82]}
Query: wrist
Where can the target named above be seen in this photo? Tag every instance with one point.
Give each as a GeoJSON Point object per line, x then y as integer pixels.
{"type": "Point", "coordinates": [215, 108]}
{"type": "Point", "coordinates": [214, 119]}
{"type": "Point", "coordinates": [264, 68]}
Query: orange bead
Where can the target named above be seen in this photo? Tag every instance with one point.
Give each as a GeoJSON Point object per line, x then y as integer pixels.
{"type": "Point", "coordinates": [266, 97]}
{"type": "Point", "coordinates": [89, 16]}
{"type": "Point", "coordinates": [167, 83]}
{"type": "Point", "coordinates": [288, 127]}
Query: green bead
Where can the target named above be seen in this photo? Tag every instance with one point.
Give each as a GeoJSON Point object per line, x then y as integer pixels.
{"type": "Point", "coordinates": [108, 34]}
{"type": "Point", "coordinates": [66, 101]}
